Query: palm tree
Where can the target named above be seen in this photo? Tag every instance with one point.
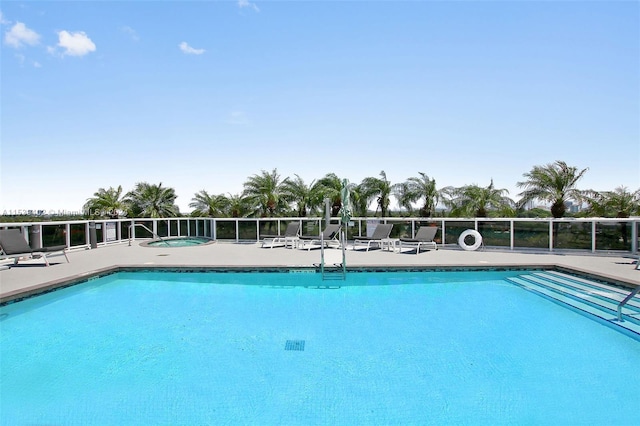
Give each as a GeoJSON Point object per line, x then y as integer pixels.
{"type": "Point", "coordinates": [617, 203]}
{"type": "Point", "coordinates": [403, 194]}
{"type": "Point", "coordinates": [238, 206]}
{"type": "Point", "coordinates": [148, 200]}
{"type": "Point", "coordinates": [378, 188]}
{"type": "Point", "coordinates": [305, 197]}
{"type": "Point", "coordinates": [555, 183]}
{"type": "Point", "coordinates": [329, 187]}
{"type": "Point", "coordinates": [265, 192]}
{"type": "Point", "coordinates": [424, 188]}
{"type": "Point", "coordinates": [106, 202]}
{"type": "Point", "coordinates": [359, 204]}
{"type": "Point", "coordinates": [208, 205]}
{"type": "Point", "coordinates": [474, 200]}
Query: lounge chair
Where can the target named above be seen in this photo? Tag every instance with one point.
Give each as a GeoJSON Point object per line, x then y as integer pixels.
{"type": "Point", "coordinates": [330, 238]}
{"type": "Point", "coordinates": [14, 246]}
{"type": "Point", "coordinates": [381, 232]}
{"type": "Point", "coordinates": [424, 237]}
{"type": "Point", "coordinates": [290, 236]}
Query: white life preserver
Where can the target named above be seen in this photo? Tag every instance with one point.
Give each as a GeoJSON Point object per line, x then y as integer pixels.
{"type": "Point", "coordinates": [477, 243]}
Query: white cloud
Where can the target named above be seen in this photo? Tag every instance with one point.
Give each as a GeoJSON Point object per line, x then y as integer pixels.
{"type": "Point", "coordinates": [37, 64]}
{"type": "Point", "coordinates": [246, 3]}
{"type": "Point", "coordinates": [2, 20]}
{"type": "Point", "coordinates": [19, 35]}
{"type": "Point", "coordinates": [75, 44]}
{"type": "Point", "coordinates": [130, 32]}
{"type": "Point", "coordinates": [190, 50]}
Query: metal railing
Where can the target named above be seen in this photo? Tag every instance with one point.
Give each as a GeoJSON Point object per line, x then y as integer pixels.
{"type": "Point", "coordinates": [625, 301]}
{"type": "Point", "coordinates": [143, 226]}
{"type": "Point", "coordinates": [603, 235]}
{"type": "Point", "coordinates": [341, 268]}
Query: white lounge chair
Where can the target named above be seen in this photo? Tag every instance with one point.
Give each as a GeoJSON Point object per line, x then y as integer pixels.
{"type": "Point", "coordinates": [290, 235]}
{"type": "Point", "coordinates": [424, 238]}
{"type": "Point", "coordinates": [14, 246]}
{"type": "Point", "coordinates": [330, 238]}
{"type": "Point", "coordinates": [381, 232]}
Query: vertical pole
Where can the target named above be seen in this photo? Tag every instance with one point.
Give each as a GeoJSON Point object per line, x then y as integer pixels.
{"type": "Point", "coordinates": [443, 242]}
{"type": "Point", "coordinates": [511, 234]}
{"type": "Point", "coordinates": [551, 235]}
{"type": "Point", "coordinates": [593, 236]}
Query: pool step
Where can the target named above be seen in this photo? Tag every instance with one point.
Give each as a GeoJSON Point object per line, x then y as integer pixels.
{"type": "Point", "coordinates": [586, 296]}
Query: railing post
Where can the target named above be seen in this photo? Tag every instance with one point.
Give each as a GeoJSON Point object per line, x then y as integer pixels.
{"type": "Point", "coordinates": [444, 239]}
{"type": "Point", "coordinates": [551, 235]}
{"type": "Point", "coordinates": [593, 236]}
{"type": "Point", "coordinates": [237, 231]}
{"type": "Point", "coordinates": [67, 235]}
{"type": "Point", "coordinates": [511, 234]}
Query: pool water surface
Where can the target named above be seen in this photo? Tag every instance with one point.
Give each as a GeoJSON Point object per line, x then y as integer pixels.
{"type": "Point", "coordinates": [252, 348]}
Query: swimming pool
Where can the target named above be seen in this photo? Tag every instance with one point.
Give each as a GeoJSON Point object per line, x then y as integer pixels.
{"type": "Point", "coordinates": [274, 348]}
{"type": "Point", "coordinates": [177, 242]}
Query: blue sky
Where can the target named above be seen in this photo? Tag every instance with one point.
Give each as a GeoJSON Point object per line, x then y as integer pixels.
{"type": "Point", "coordinates": [201, 95]}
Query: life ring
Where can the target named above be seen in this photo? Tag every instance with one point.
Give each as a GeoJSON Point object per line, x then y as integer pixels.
{"type": "Point", "coordinates": [477, 243]}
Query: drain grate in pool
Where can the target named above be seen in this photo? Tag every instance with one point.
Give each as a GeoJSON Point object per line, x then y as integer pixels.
{"type": "Point", "coordinates": [294, 345]}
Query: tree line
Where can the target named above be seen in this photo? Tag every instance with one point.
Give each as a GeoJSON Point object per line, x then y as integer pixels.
{"type": "Point", "coordinates": [267, 194]}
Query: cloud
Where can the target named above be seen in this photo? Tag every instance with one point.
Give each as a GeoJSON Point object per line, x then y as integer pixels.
{"type": "Point", "coordinates": [246, 3]}
{"type": "Point", "coordinates": [2, 20]}
{"type": "Point", "coordinates": [75, 44]}
{"type": "Point", "coordinates": [190, 50]}
{"type": "Point", "coordinates": [130, 32]}
{"type": "Point", "coordinates": [19, 35]}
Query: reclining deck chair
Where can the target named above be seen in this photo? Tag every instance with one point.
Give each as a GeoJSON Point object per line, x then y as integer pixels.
{"type": "Point", "coordinates": [424, 237]}
{"type": "Point", "coordinates": [381, 232]}
{"type": "Point", "coordinates": [15, 246]}
{"type": "Point", "coordinates": [330, 237]}
{"type": "Point", "coordinates": [291, 234]}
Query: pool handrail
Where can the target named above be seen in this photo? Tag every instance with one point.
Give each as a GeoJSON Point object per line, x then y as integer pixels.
{"type": "Point", "coordinates": [152, 233]}
{"type": "Point", "coordinates": [624, 302]}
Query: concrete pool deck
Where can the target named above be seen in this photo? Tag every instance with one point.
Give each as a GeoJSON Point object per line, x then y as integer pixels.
{"type": "Point", "coordinates": [31, 275]}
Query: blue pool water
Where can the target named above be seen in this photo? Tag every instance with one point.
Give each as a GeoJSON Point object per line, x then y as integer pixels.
{"type": "Point", "coordinates": [179, 242]}
{"type": "Point", "coordinates": [389, 348]}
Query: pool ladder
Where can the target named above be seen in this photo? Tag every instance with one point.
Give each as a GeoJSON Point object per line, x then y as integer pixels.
{"type": "Point", "coordinates": [152, 233]}
{"type": "Point", "coordinates": [337, 271]}
{"type": "Point", "coordinates": [625, 301]}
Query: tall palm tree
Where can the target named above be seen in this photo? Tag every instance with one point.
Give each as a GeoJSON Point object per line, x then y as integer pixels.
{"type": "Point", "coordinates": [555, 183]}
{"type": "Point", "coordinates": [329, 187]}
{"type": "Point", "coordinates": [474, 200]}
{"type": "Point", "coordinates": [148, 200]}
{"type": "Point", "coordinates": [378, 188]}
{"type": "Point", "coordinates": [424, 188]}
{"type": "Point", "coordinates": [359, 204]}
{"type": "Point", "coordinates": [208, 205]}
{"type": "Point", "coordinates": [617, 203]}
{"type": "Point", "coordinates": [305, 197]}
{"type": "Point", "coordinates": [238, 206]}
{"type": "Point", "coordinates": [106, 202]}
{"type": "Point", "coordinates": [265, 192]}
{"type": "Point", "coordinates": [402, 192]}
